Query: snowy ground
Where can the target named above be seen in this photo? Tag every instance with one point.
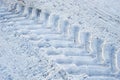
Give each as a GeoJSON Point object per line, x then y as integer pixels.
{"type": "Point", "coordinates": [63, 43]}
{"type": "Point", "coordinates": [100, 17]}
{"type": "Point", "coordinates": [19, 60]}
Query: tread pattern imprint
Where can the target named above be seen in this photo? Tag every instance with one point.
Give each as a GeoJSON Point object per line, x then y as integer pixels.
{"type": "Point", "coordinates": [80, 55]}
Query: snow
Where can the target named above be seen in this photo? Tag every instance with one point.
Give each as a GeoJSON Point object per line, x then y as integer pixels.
{"type": "Point", "coordinates": [98, 16]}
{"type": "Point", "coordinates": [59, 40]}
{"type": "Point", "coordinates": [19, 60]}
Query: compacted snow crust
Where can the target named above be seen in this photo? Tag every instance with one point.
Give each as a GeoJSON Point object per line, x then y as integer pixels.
{"type": "Point", "coordinates": [68, 40]}
{"type": "Point", "coordinates": [19, 60]}
{"type": "Point", "coordinates": [101, 17]}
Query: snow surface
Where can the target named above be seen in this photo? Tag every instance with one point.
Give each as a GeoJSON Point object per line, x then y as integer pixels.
{"type": "Point", "coordinates": [100, 17]}
{"type": "Point", "coordinates": [19, 60]}
{"type": "Point", "coordinates": [50, 49]}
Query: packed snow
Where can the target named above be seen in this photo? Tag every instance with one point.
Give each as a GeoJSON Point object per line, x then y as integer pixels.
{"type": "Point", "coordinates": [59, 40]}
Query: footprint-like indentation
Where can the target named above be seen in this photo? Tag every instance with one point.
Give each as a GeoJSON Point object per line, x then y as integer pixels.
{"type": "Point", "coordinates": [96, 49]}
{"type": "Point", "coordinates": [53, 21]}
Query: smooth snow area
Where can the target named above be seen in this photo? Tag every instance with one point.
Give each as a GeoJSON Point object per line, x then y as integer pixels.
{"type": "Point", "coordinates": [110, 6]}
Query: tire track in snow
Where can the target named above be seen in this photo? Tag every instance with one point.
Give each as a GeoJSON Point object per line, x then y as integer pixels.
{"type": "Point", "coordinates": [75, 51]}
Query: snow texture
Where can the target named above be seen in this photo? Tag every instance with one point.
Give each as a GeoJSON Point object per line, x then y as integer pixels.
{"type": "Point", "coordinates": [59, 40]}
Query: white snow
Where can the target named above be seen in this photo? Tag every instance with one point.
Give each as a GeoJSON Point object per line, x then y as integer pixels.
{"type": "Point", "coordinates": [57, 40]}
